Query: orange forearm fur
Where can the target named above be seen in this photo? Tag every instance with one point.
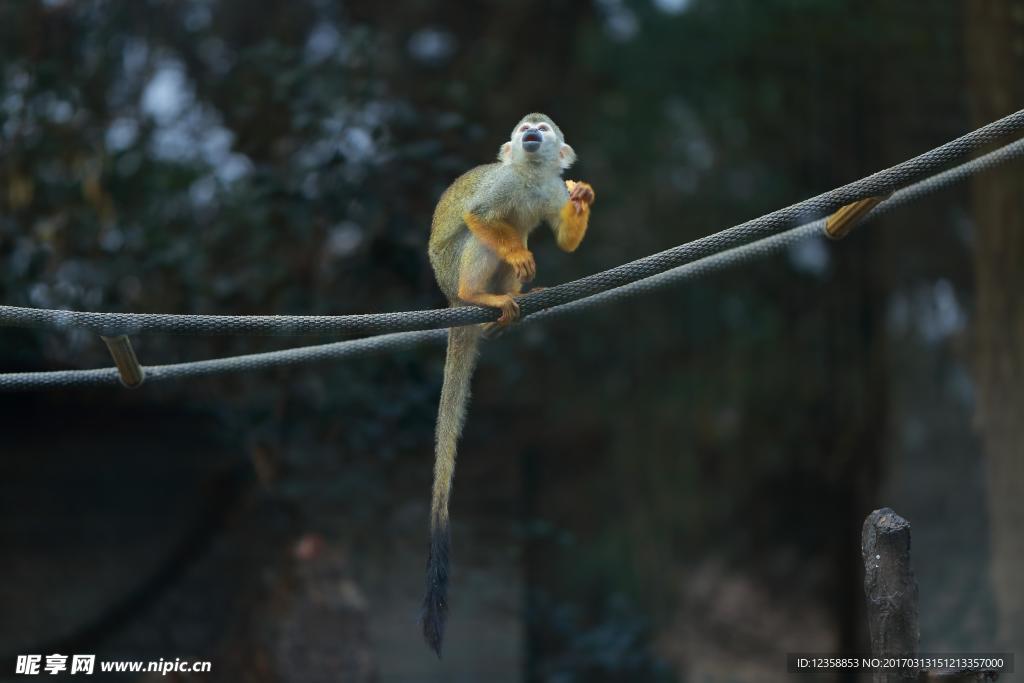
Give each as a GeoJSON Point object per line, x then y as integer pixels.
{"type": "Point", "coordinates": [572, 226]}
{"type": "Point", "coordinates": [502, 238]}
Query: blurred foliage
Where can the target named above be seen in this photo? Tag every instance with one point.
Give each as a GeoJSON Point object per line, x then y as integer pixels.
{"type": "Point", "coordinates": [224, 157]}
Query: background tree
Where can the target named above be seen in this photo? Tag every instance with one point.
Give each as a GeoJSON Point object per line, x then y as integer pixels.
{"type": "Point", "coordinates": [995, 32]}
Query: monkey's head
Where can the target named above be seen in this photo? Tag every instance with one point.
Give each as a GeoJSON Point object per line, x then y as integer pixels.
{"type": "Point", "coordinates": [536, 139]}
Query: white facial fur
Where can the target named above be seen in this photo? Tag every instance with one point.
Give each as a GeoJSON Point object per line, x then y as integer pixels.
{"type": "Point", "coordinates": [553, 150]}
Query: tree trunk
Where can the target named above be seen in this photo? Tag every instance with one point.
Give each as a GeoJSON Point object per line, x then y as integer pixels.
{"type": "Point", "coordinates": [995, 59]}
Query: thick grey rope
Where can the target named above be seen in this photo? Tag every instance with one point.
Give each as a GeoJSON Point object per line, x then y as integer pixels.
{"type": "Point", "coordinates": [405, 340]}
{"type": "Point", "coordinates": [881, 183]}
{"type": "Point", "coordinates": [352, 348]}
{"type": "Point", "coordinates": [784, 240]}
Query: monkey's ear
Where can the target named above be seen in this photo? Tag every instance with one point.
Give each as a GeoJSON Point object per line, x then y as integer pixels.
{"type": "Point", "coordinates": [566, 156]}
{"type": "Point", "coordinates": [505, 153]}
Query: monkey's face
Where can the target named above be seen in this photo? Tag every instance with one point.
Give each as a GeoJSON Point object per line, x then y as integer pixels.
{"type": "Point", "coordinates": [531, 135]}
{"type": "Point", "coordinates": [536, 139]}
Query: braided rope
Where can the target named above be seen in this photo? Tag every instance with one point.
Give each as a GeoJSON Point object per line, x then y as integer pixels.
{"type": "Point", "coordinates": [880, 183]}
{"type": "Point", "coordinates": [405, 340]}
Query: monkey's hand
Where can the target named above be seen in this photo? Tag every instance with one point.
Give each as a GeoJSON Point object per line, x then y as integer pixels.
{"type": "Point", "coordinates": [581, 195]}
{"type": "Point", "coordinates": [522, 264]}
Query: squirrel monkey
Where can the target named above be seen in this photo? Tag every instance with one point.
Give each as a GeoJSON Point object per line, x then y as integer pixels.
{"type": "Point", "coordinates": [478, 251]}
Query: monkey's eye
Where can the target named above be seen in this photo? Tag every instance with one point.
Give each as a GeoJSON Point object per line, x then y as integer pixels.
{"type": "Point", "coordinates": [542, 127]}
{"type": "Point", "coordinates": [523, 128]}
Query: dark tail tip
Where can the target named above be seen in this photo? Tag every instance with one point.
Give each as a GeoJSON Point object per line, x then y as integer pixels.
{"type": "Point", "coordinates": [435, 602]}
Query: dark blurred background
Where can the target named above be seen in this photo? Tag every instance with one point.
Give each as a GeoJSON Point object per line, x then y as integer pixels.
{"type": "Point", "coordinates": [670, 489]}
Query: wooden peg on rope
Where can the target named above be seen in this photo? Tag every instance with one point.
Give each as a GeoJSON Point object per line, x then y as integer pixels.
{"type": "Point", "coordinates": [132, 374]}
{"type": "Point", "coordinates": [840, 223]}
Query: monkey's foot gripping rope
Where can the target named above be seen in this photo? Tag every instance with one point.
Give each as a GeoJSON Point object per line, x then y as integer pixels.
{"type": "Point", "coordinates": [758, 237]}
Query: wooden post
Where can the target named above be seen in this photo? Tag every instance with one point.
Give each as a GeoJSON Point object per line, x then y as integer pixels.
{"type": "Point", "coordinates": [890, 589]}
{"type": "Point", "coordinates": [891, 593]}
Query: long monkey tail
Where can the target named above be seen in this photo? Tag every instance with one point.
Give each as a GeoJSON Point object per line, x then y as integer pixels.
{"type": "Point", "coordinates": [460, 362]}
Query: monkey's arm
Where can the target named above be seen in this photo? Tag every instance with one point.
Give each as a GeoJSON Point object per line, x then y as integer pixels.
{"type": "Point", "coordinates": [504, 240]}
{"type": "Point", "coordinates": [571, 223]}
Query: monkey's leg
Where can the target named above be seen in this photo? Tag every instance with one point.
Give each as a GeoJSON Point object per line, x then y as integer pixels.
{"type": "Point", "coordinates": [574, 215]}
{"type": "Point", "coordinates": [505, 241]}
{"type": "Point", "coordinates": [504, 280]}
{"type": "Point", "coordinates": [477, 267]}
